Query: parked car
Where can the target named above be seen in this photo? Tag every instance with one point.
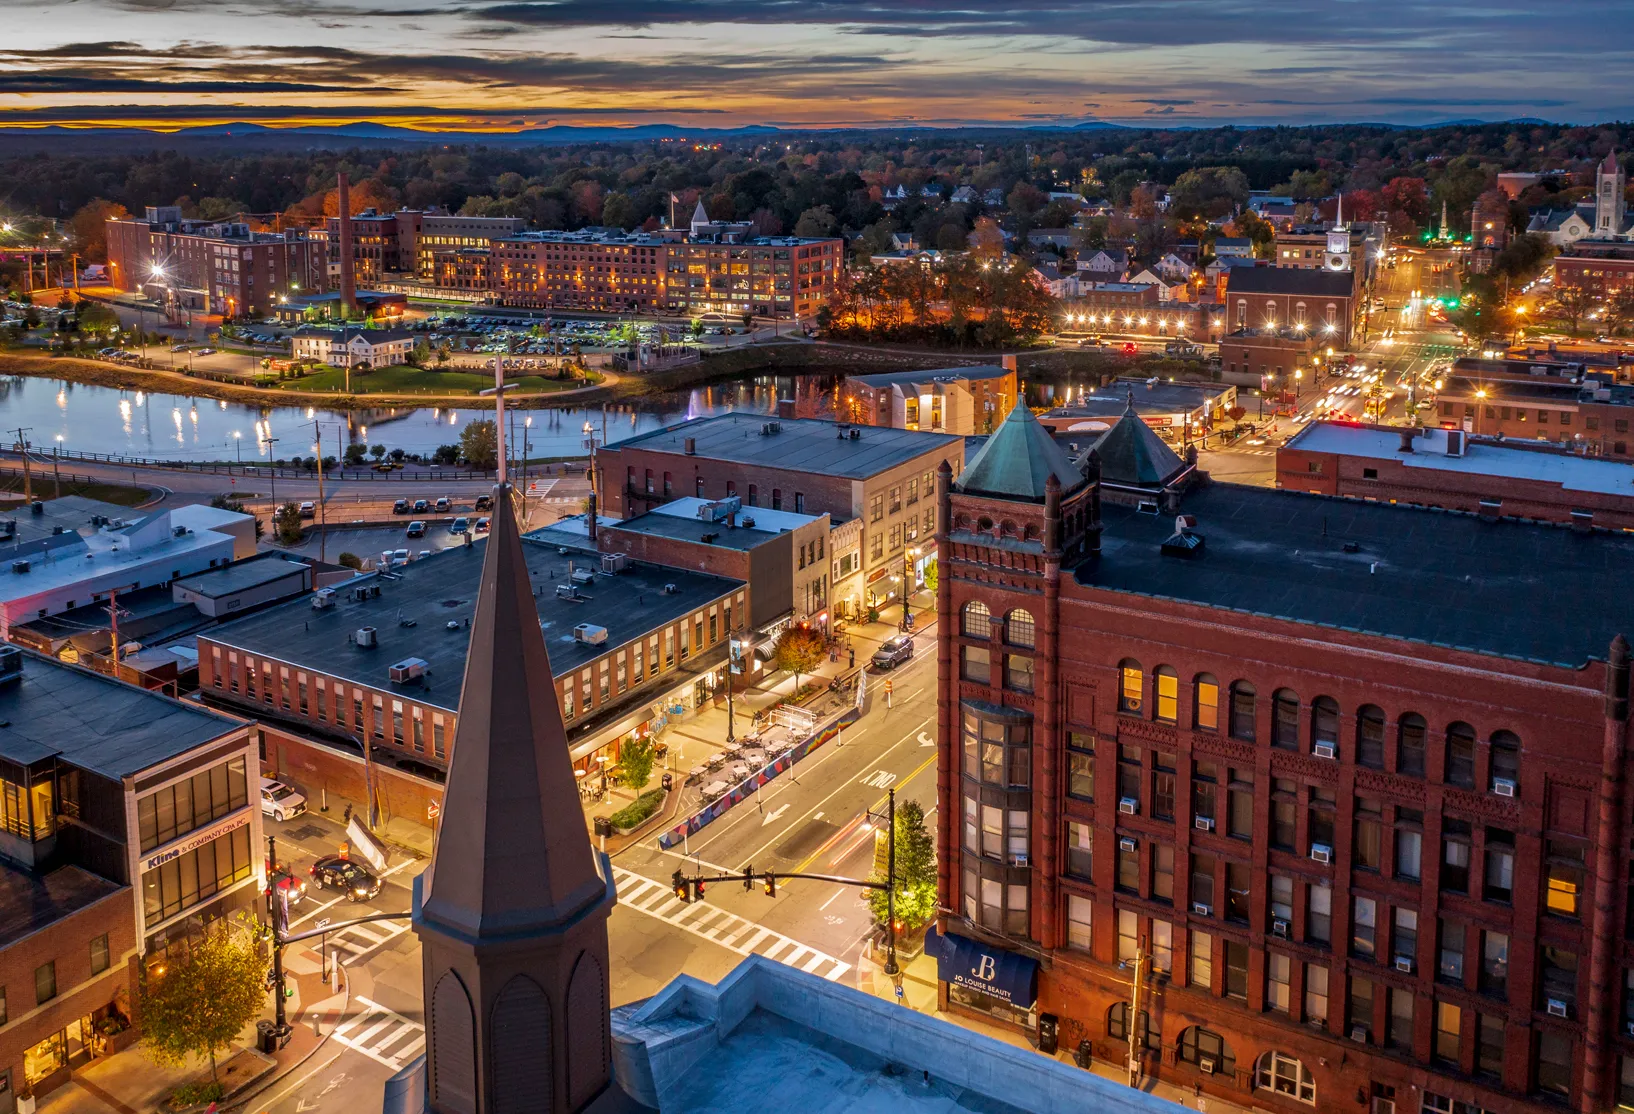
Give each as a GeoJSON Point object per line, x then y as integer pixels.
{"type": "Point", "coordinates": [459, 525]}
{"type": "Point", "coordinates": [443, 505]}
{"type": "Point", "coordinates": [400, 557]}
{"type": "Point", "coordinates": [400, 507]}
{"type": "Point", "coordinates": [482, 525]}
{"type": "Point", "coordinates": [421, 506]}
{"type": "Point", "coordinates": [485, 502]}
{"type": "Point", "coordinates": [279, 801]}
{"type": "Point", "coordinates": [207, 351]}
{"type": "Point", "coordinates": [308, 509]}
{"type": "Point", "coordinates": [335, 872]}
{"type": "Point", "coordinates": [894, 651]}
{"type": "Point", "coordinates": [417, 529]}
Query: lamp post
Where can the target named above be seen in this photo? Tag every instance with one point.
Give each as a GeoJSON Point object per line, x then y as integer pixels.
{"type": "Point", "coordinates": [269, 442]}
{"type": "Point", "coordinates": [907, 585]}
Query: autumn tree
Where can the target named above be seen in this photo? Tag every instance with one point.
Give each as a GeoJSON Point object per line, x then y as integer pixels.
{"type": "Point", "coordinates": [816, 223]}
{"type": "Point", "coordinates": [1407, 203]}
{"type": "Point", "coordinates": [799, 650]}
{"type": "Point", "coordinates": [88, 228]}
{"type": "Point", "coordinates": [198, 1002]}
{"type": "Point", "coordinates": [1571, 304]}
{"type": "Point", "coordinates": [479, 444]}
{"type": "Point", "coordinates": [987, 240]}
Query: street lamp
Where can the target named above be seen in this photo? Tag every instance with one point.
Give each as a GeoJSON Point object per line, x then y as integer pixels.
{"type": "Point", "coordinates": [908, 556]}
{"type": "Point", "coordinates": [269, 442]}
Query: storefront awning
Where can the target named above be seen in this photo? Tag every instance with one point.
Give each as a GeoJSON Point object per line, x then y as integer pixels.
{"type": "Point", "coordinates": [992, 971]}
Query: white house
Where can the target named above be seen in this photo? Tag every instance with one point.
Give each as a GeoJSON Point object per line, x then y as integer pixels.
{"type": "Point", "coordinates": [1173, 268]}
{"type": "Point", "coordinates": [1147, 277]}
{"type": "Point", "coordinates": [354, 347]}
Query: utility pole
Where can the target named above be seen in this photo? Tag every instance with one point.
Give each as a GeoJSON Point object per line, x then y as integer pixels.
{"type": "Point", "coordinates": [56, 467]}
{"type": "Point", "coordinates": [113, 626]}
{"type": "Point", "coordinates": [281, 1025]}
{"type": "Point", "coordinates": [323, 513]}
{"type": "Point", "coordinates": [1133, 1023]}
{"type": "Point", "coordinates": [22, 447]}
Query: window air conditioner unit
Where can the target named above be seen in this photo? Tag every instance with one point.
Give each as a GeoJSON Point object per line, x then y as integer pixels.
{"type": "Point", "coordinates": [1404, 963]}
{"type": "Point", "coordinates": [1358, 1033]}
{"type": "Point", "coordinates": [1203, 823]}
{"type": "Point", "coordinates": [1279, 927]}
{"type": "Point", "coordinates": [1126, 844]}
{"type": "Point", "coordinates": [1321, 852]}
{"type": "Point", "coordinates": [1503, 787]}
{"type": "Point", "coordinates": [1128, 806]}
{"type": "Point", "coordinates": [1325, 750]}
{"type": "Point", "coordinates": [1202, 908]}
{"type": "Point", "coordinates": [1205, 1064]}
{"type": "Point", "coordinates": [1557, 1007]}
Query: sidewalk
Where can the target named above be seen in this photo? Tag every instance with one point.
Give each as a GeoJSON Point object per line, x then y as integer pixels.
{"type": "Point", "coordinates": [919, 993]}
{"type": "Point", "coordinates": [699, 737]}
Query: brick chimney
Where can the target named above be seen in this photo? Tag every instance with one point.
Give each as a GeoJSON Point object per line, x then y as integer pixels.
{"type": "Point", "coordinates": [348, 281]}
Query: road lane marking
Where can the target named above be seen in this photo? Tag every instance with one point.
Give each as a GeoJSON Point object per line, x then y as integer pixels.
{"type": "Point", "coordinates": [726, 929]}
{"type": "Point", "coordinates": [408, 1037]}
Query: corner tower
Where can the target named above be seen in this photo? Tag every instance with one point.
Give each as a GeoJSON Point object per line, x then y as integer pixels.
{"type": "Point", "coordinates": [512, 913]}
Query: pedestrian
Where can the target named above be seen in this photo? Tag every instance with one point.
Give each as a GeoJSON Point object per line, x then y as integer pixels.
{"type": "Point", "coordinates": [853, 658]}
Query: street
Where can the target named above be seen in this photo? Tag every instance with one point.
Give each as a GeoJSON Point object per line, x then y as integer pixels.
{"type": "Point", "coordinates": [809, 819]}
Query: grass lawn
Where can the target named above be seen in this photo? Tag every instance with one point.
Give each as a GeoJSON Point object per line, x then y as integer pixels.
{"type": "Point", "coordinates": [402, 379]}
{"type": "Point", "coordinates": [11, 484]}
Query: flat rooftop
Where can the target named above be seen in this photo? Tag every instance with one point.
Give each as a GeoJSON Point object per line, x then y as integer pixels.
{"type": "Point", "coordinates": [97, 723]}
{"type": "Point", "coordinates": [679, 520]}
{"type": "Point", "coordinates": [242, 576]}
{"type": "Point", "coordinates": [1155, 399]}
{"type": "Point", "coordinates": [1481, 457]}
{"type": "Point", "coordinates": [424, 607]}
{"type": "Point", "coordinates": [1504, 588]}
{"type": "Point", "coordinates": [941, 374]}
{"type": "Point", "coordinates": [804, 445]}
{"type": "Point", "coordinates": [30, 902]}
{"type": "Point", "coordinates": [72, 514]}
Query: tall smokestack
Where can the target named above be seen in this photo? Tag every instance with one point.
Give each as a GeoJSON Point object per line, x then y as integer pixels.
{"type": "Point", "coordinates": [348, 279]}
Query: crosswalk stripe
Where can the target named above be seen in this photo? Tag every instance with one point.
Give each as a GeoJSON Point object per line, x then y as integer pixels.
{"type": "Point", "coordinates": [724, 928]}
{"type": "Point", "coordinates": [403, 1039]}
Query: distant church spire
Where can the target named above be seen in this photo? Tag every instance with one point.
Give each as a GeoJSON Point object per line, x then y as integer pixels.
{"type": "Point", "coordinates": [512, 912]}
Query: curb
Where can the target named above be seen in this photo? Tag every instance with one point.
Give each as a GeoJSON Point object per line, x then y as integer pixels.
{"type": "Point", "coordinates": [239, 1102]}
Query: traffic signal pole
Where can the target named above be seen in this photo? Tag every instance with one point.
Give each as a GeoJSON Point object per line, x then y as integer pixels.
{"type": "Point", "coordinates": [280, 1024]}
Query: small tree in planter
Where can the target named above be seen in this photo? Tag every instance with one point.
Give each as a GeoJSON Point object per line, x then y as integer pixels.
{"type": "Point", "coordinates": [198, 1003]}
{"type": "Point", "coordinates": [635, 762]}
{"type": "Point", "coordinates": [915, 872]}
{"type": "Point", "coordinates": [799, 649]}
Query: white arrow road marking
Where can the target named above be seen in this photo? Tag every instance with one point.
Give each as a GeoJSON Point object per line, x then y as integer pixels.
{"type": "Point", "coordinates": [879, 779]}
{"type": "Point", "coordinates": [774, 814]}
{"type": "Point", "coordinates": [925, 740]}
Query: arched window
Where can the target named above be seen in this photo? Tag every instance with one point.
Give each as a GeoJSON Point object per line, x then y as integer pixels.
{"type": "Point", "coordinates": [1285, 719]}
{"type": "Point", "coordinates": [975, 621]}
{"type": "Point", "coordinates": [777, 497]}
{"type": "Point", "coordinates": [984, 524]}
{"type": "Point", "coordinates": [1333, 314]}
{"type": "Point", "coordinates": [1166, 690]}
{"type": "Point", "coordinates": [1506, 762]}
{"type": "Point", "coordinates": [700, 486]}
{"type": "Point", "coordinates": [1007, 529]}
{"type": "Point", "coordinates": [1117, 1026]}
{"type": "Point", "coordinates": [1242, 710]}
{"type": "Point", "coordinates": [1284, 1075]}
{"type": "Point", "coordinates": [1131, 686]}
{"type": "Point", "coordinates": [669, 486]}
{"type": "Point", "coordinates": [1206, 1049]}
{"type": "Point", "coordinates": [1299, 313]}
{"type": "Point", "coordinates": [1461, 756]}
{"type": "Point", "coordinates": [1018, 628]}
{"type": "Point", "coordinates": [1325, 723]}
{"type": "Point", "coordinates": [1205, 715]}
{"type": "Point", "coordinates": [1410, 735]}
{"type": "Point", "coordinates": [1370, 736]}
{"type": "Point", "coordinates": [754, 495]}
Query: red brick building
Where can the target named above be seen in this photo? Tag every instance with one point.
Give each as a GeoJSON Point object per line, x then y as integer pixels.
{"type": "Point", "coordinates": [1438, 468]}
{"type": "Point", "coordinates": [1604, 270]}
{"type": "Point", "coordinates": [216, 267]}
{"type": "Point", "coordinates": [1323, 304]}
{"type": "Point", "coordinates": [1333, 790]}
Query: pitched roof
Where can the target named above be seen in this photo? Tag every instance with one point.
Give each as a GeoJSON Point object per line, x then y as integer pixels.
{"type": "Point", "coordinates": [1131, 452]}
{"type": "Point", "coordinates": [1018, 461]}
{"type": "Point", "coordinates": [512, 856]}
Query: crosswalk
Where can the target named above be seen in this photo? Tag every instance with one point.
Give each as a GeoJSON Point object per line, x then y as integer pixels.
{"type": "Point", "coordinates": [380, 1034]}
{"type": "Point", "coordinates": [357, 941]}
{"type": "Point", "coordinates": [726, 929]}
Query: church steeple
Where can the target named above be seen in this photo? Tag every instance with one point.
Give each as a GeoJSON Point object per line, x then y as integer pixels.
{"type": "Point", "coordinates": [512, 912]}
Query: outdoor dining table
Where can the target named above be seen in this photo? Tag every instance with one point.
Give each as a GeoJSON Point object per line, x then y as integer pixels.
{"type": "Point", "coordinates": [697, 772]}
{"type": "Point", "coordinates": [715, 788]}
{"type": "Point", "coordinates": [740, 769]}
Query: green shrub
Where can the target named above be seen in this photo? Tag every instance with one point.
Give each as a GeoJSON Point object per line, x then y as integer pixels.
{"type": "Point", "coordinates": [638, 810]}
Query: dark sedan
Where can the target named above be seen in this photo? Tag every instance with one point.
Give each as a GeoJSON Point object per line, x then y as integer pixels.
{"type": "Point", "coordinates": [335, 872]}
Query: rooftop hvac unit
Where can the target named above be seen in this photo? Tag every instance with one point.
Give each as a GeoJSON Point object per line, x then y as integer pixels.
{"type": "Point", "coordinates": [1321, 852]}
{"type": "Point", "coordinates": [178, 531]}
{"type": "Point", "coordinates": [567, 591]}
{"type": "Point", "coordinates": [1325, 750]}
{"type": "Point", "coordinates": [1457, 442]}
{"type": "Point", "coordinates": [20, 566]}
{"type": "Point", "coordinates": [671, 589]}
{"type": "Point", "coordinates": [364, 637]}
{"type": "Point", "coordinates": [583, 576]}
{"type": "Point", "coordinates": [590, 633]}
{"type": "Point", "coordinates": [1128, 806]}
{"type": "Point", "coordinates": [366, 592]}
{"type": "Point", "coordinates": [1202, 908]}
{"type": "Point", "coordinates": [11, 664]}
{"type": "Point", "coordinates": [1203, 823]}
{"type": "Point", "coordinates": [856, 435]}
{"type": "Point", "coordinates": [323, 598]}
{"type": "Point", "coordinates": [1503, 786]}
{"type": "Point", "coordinates": [409, 669]}
{"type": "Point", "coordinates": [613, 562]}
{"type": "Point", "coordinates": [1557, 1007]}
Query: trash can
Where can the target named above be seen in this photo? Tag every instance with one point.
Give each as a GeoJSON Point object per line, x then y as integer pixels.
{"type": "Point", "coordinates": [1086, 1054]}
{"type": "Point", "coordinates": [604, 826]}
{"type": "Point", "coordinates": [1047, 1034]}
{"type": "Point", "coordinates": [266, 1037]}
{"type": "Point", "coordinates": [667, 781]}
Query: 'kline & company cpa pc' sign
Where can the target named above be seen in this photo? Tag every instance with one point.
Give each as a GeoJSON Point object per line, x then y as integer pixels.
{"type": "Point", "coordinates": [196, 840]}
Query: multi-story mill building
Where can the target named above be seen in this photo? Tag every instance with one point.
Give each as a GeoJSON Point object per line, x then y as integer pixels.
{"type": "Point", "coordinates": [1320, 801]}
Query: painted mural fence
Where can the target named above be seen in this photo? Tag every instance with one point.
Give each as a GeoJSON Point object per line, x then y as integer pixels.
{"type": "Point", "coordinates": [746, 788]}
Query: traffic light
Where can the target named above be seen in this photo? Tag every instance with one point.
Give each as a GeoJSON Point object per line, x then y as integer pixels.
{"type": "Point", "coordinates": [748, 877]}
{"type": "Point", "coordinates": [681, 887]}
{"type": "Point", "coordinates": [770, 881]}
{"type": "Point", "coordinates": [697, 889]}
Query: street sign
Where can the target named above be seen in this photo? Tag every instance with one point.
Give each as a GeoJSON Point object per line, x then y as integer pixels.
{"type": "Point", "coordinates": [433, 810]}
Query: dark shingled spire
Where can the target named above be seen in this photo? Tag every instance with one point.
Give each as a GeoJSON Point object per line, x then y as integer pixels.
{"type": "Point", "coordinates": [512, 854]}
{"type": "Point", "coordinates": [1018, 460]}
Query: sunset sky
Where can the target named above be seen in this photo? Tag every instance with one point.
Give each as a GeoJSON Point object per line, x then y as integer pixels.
{"type": "Point", "coordinates": [505, 64]}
